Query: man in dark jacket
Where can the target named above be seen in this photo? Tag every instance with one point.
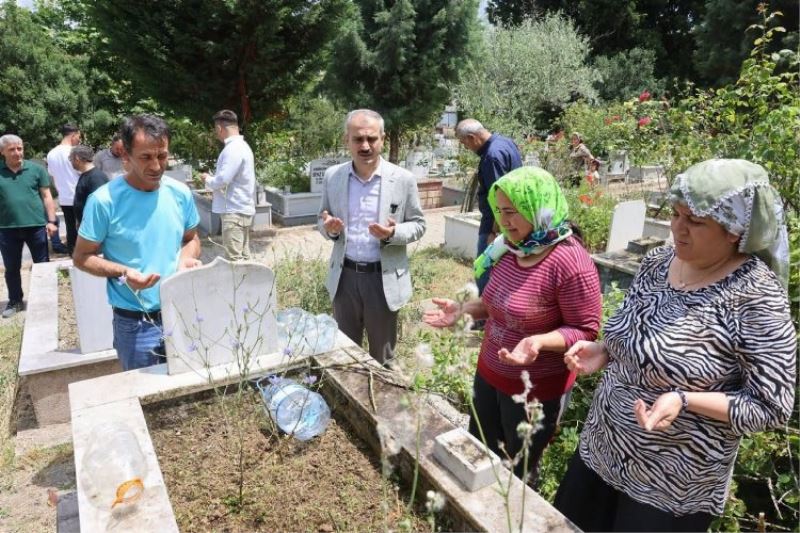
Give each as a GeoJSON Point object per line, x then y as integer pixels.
{"type": "Point", "coordinates": [499, 156]}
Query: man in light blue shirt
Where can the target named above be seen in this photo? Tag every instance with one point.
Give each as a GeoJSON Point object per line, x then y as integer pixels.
{"type": "Point", "coordinates": [145, 227]}
{"type": "Point", "coordinates": [234, 184]}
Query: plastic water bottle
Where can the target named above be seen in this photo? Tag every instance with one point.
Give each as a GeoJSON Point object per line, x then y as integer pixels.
{"type": "Point", "coordinates": [114, 467]}
{"type": "Point", "coordinates": [295, 409]}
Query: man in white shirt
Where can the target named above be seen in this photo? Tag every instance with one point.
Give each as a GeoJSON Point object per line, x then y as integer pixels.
{"type": "Point", "coordinates": [65, 178]}
{"type": "Point", "coordinates": [109, 160]}
{"type": "Point", "coordinates": [234, 184]}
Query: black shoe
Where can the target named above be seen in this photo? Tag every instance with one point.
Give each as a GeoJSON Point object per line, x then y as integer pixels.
{"type": "Point", "coordinates": [60, 249]}
{"type": "Point", "coordinates": [12, 309]}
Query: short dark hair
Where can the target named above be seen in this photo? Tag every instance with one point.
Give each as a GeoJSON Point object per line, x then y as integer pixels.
{"type": "Point", "coordinates": [116, 137]}
{"type": "Point", "coordinates": [81, 152]}
{"type": "Point", "coordinates": [226, 117]}
{"type": "Point", "coordinates": [151, 125]}
{"type": "Point", "coordinates": [66, 129]}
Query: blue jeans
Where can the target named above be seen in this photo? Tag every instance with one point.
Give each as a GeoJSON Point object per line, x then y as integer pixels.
{"type": "Point", "coordinates": [11, 241]}
{"type": "Point", "coordinates": [139, 343]}
{"type": "Point", "coordinates": [482, 244]}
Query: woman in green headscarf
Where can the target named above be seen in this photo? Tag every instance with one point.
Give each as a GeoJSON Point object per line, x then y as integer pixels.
{"type": "Point", "coordinates": [701, 352]}
{"type": "Point", "coordinates": [543, 296]}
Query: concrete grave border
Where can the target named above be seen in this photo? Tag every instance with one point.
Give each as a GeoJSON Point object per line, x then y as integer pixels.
{"type": "Point", "coordinates": [43, 368]}
{"type": "Point", "coordinates": [120, 397]}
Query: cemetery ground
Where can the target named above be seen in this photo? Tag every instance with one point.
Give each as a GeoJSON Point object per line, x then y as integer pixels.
{"type": "Point", "coordinates": [36, 465]}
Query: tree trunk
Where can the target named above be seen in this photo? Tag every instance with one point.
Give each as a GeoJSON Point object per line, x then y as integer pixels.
{"type": "Point", "coordinates": [394, 145]}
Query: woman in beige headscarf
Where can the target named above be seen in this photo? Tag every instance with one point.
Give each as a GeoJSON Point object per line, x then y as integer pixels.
{"type": "Point", "coordinates": [701, 352]}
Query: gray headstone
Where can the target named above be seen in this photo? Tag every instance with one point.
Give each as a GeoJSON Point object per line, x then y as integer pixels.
{"type": "Point", "coordinates": [618, 163]}
{"type": "Point", "coordinates": [317, 170]}
{"type": "Point", "coordinates": [93, 314]}
{"type": "Point", "coordinates": [219, 313]}
{"type": "Point", "coordinates": [627, 224]}
{"type": "Point", "coordinates": [419, 163]}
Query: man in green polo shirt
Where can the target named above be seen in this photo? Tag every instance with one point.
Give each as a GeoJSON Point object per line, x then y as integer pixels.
{"type": "Point", "coordinates": [24, 198]}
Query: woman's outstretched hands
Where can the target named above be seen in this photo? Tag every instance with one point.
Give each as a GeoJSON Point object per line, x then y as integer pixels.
{"type": "Point", "coordinates": [524, 353]}
{"type": "Point", "coordinates": [586, 357]}
{"type": "Point", "coordinates": [659, 417]}
{"type": "Point", "coordinates": [445, 316]}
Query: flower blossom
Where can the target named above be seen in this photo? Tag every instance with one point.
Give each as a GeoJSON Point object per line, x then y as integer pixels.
{"type": "Point", "coordinates": [644, 121]}
{"type": "Point", "coordinates": [645, 96]}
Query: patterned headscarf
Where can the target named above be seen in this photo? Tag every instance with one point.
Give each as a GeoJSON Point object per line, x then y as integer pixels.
{"type": "Point", "coordinates": [535, 193]}
{"type": "Point", "coordinates": [737, 194]}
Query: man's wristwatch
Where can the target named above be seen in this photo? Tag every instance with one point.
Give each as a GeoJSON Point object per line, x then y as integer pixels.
{"type": "Point", "coordinates": [53, 222]}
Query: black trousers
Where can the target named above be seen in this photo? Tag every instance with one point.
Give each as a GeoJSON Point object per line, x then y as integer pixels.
{"type": "Point", "coordinates": [360, 304]}
{"type": "Point", "coordinates": [594, 505]}
{"type": "Point", "coordinates": [72, 231]}
{"type": "Point", "coordinates": [499, 417]}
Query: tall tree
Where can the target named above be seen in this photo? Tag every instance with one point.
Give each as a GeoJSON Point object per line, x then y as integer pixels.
{"type": "Point", "coordinates": [401, 58]}
{"type": "Point", "coordinates": [724, 40]}
{"type": "Point", "coordinates": [196, 56]}
{"type": "Point", "coordinates": [526, 75]}
{"type": "Point", "coordinates": [613, 26]}
{"type": "Point", "coordinates": [41, 86]}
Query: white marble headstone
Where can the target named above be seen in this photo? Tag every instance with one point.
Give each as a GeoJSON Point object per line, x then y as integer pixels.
{"type": "Point", "coordinates": [317, 169]}
{"type": "Point", "coordinates": [219, 313]}
{"type": "Point", "coordinates": [93, 314]}
{"type": "Point", "coordinates": [627, 224]}
{"type": "Point", "coordinates": [419, 163]}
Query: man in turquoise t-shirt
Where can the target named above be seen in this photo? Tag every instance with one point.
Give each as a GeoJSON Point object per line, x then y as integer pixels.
{"type": "Point", "coordinates": [145, 227]}
{"type": "Point", "coordinates": [24, 199]}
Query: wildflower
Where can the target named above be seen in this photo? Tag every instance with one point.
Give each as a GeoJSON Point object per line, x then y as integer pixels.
{"type": "Point", "coordinates": [644, 121]}
{"type": "Point", "coordinates": [198, 318]}
{"type": "Point", "coordinates": [524, 429]}
{"type": "Point", "coordinates": [191, 348]}
{"type": "Point", "coordinates": [468, 322]}
{"type": "Point", "coordinates": [526, 380]}
{"type": "Point", "coordinates": [388, 443]}
{"type": "Point", "coordinates": [234, 343]}
{"type": "Point", "coordinates": [287, 352]}
{"type": "Point", "coordinates": [519, 398]}
{"type": "Point", "coordinates": [585, 199]}
{"type": "Point", "coordinates": [645, 96]}
{"type": "Point", "coordinates": [122, 280]}
{"type": "Point", "coordinates": [168, 333]}
{"type": "Point", "coordinates": [469, 291]}
{"type": "Point", "coordinates": [309, 380]}
{"type": "Point", "coordinates": [434, 501]}
{"type": "Point", "coordinates": [424, 355]}
{"type": "Point", "coordinates": [246, 308]}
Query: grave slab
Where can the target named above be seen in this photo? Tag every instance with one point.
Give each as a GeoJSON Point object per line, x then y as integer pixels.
{"type": "Point", "coordinates": [93, 314]}
{"type": "Point", "coordinates": [627, 223]}
{"type": "Point", "coordinates": [466, 458]}
{"type": "Point", "coordinates": [317, 168]}
{"type": "Point", "coordinates": [218, 313]}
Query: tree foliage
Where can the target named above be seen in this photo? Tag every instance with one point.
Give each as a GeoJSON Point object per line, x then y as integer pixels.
{"type": "Point", "coordinates": [723, 41]}
{"type": "Point", "coordinates": [613, 26]}
{"type": "Point", "coordinates": [526, 74]}
{"type": "Point", "coordinates": [197, 56]}
{"type": "Point", "coordinates": [627, 74]}
{"type": "Point", "coordinates": [41, 86]}
{"type": "Point", "coordinates": [401, 58]}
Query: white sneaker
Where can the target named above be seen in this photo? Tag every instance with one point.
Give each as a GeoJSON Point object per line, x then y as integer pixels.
{"type": "Point", "coordinates": [12, 309]}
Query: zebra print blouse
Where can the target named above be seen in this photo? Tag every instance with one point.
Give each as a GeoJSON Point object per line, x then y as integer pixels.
{"type": "Point", "coordinates": [734, 336]}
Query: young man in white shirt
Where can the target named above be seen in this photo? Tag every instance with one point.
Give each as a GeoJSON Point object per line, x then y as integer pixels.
{"type": "Point", "coordinates": [233, 183]}
{"type": "Point", "coordinates": [65, 178]}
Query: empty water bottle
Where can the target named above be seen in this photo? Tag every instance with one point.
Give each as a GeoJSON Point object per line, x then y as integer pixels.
{"type": "Point", "coordinates": [295, 409]}
{"type": "Point", "coordinates": [114, 467]}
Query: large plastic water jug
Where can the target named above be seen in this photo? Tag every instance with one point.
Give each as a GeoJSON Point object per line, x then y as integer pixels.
{"type": "Point", "coordinates": [114, 467]}
{"type": "Point", "coordinates": [296, 410]}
